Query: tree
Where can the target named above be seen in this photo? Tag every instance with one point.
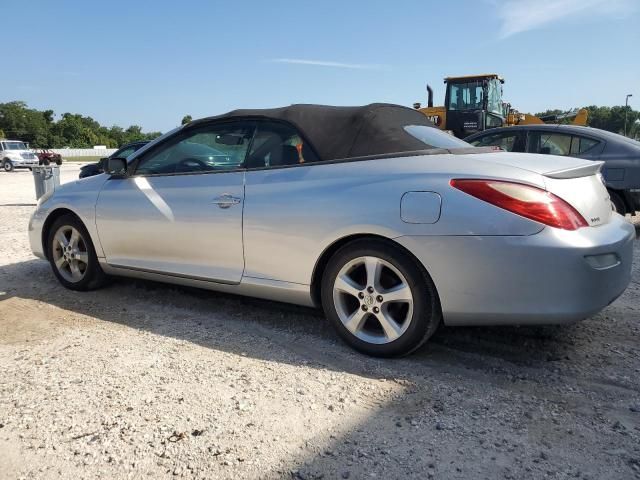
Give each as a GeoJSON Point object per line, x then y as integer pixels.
{"type": "Point", "coordinates": [186, 119]}
{"type": "Point", "coordinates": [547, 113]}
{"type": "Point", "coordinates": [611, 118]}
{"type": "Point", "coordinates": [22, 123]}
{"type": "Point", "coordinates": [606, 118]}
{"type": "Point", "coordinates": [48, 116]}
{"type": "Point", "coordinates": [40, 129]}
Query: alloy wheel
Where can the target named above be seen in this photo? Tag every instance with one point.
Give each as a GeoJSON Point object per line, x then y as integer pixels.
{"type": "Point", "coordinates": [373, 300]}
{"type": "Point", "coordinates": [70, 254]}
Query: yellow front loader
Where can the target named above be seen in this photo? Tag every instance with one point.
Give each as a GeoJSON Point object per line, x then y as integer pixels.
{"type": "Point", "coordinates": [474, 103]}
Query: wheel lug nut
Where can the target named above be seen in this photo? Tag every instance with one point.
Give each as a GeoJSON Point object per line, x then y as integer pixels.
{"type": "Point", "coordinates": [376, 310]}
{"type": "Point", "coordinates": [379, 298]}
{"type": "Point", "coordinates": [361, 295]}
{"type": "Point", "coordinates": [370, 289]}
{"type": "Point", "coordinates": [364, 308]}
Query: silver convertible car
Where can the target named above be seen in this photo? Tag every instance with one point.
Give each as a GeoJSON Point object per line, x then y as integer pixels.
{"type": "Point", "coordinates": [388, 224]}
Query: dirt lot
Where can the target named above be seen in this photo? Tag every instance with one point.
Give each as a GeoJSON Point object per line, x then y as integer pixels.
{"type": "Point", "coordinates": [144, 380]}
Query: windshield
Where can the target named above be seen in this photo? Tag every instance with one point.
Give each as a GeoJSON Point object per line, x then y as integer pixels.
{"type": "Point", "coordinates": [494, 97]}
{"type": "Point", "coordinates": [14, 146]}
{"type": "Point", "coordinates": [434, 137]}
{"type": "Point", "coordinates": [466, 96]}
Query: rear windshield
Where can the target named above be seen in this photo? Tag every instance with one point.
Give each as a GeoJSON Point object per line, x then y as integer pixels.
{"type": "Point", "coordinates": [434, 138]}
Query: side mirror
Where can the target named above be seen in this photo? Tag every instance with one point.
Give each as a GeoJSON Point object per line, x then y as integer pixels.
{"type": "Point", "coordinates": [117, 167]}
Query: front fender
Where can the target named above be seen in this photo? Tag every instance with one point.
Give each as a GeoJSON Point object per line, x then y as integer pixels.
{"type": "Point", "coordinates": [79, 198]}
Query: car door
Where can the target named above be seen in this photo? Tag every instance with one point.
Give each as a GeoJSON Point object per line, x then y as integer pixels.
{"type": "Point", "coordinates": [179, 211]}
{"type": "Point", "coordinates": [279, 202]}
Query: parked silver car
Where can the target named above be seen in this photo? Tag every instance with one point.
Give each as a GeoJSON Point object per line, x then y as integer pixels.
{"type": "Point", "coordinates": [389, 224]}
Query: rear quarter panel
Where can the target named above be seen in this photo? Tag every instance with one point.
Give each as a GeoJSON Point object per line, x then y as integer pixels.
{"type": "Point", "coordinates": [291, 215]}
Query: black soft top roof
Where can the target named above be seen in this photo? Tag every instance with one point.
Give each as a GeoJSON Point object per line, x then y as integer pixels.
{"type": "Point", "coordinates": [344, 132]}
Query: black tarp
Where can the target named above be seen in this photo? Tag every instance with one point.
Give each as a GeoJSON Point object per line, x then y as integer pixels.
{"type": "Point", "coordinates": [344, 132]}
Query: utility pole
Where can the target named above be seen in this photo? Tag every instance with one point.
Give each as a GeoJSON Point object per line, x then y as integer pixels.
{"type": "Point", "coordinates": [626, 111]}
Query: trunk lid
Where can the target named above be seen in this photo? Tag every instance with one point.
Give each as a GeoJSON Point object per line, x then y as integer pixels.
{"type": "Point", "coordinates": [587, 194]}
{"type": "Point", "coordinates": [575, 180]}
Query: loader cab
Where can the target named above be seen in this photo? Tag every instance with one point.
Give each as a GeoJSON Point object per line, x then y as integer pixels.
{"type": "Point", "coordinates": [473, 104]}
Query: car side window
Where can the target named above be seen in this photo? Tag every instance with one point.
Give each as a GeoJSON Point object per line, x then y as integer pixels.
{"type": "Point", "coordinates": [209, 148]}
{"type": "Point", "coordinates": [581, 145]}
{"type": "Point", "coordinates": [125, 152]}
{"type": "Point", "coordinates": [278, 144]}
{"type": "Point", "coordinates": [549, 143]}
{"type": "Point", "coordinates": [507, 141]}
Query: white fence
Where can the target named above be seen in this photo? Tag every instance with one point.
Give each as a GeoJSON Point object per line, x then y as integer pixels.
{"type": "Point", "coordinates": [84, 152]}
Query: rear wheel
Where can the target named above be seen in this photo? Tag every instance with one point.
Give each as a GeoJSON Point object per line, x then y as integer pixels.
{"type": "Point", "coordinates": [7, 165]}
{"type": "Point", "coordinates": [58, 161]}
{"type": "Point", "coordinates": [72, 255]}
{"type": "Point", "coordinates": [379, 299]}
{"type": "Point", "coordinates": [617, 204]}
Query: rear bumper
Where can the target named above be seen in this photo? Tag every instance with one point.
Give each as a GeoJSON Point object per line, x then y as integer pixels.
{"type": "Point", "coordinates": [553, 277]}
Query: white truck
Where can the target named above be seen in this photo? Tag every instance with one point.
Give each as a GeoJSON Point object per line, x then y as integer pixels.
{"type": "Point", "coordinates": [15, 154]}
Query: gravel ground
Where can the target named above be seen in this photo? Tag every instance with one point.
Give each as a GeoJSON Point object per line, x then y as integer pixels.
{"type": "Point", "coordinates": [145, 380]}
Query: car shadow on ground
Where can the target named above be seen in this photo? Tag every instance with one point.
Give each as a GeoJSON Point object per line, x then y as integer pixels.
{"type": "Point", "coordinates": [186, 313]}
{"type": "Point", "coordinates": [437, 427]}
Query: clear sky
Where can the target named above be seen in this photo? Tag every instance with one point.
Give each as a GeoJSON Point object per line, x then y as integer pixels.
{"type": "Point", "coordinates": [151, 62]}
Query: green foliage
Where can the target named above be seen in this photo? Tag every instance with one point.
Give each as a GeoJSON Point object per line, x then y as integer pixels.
{"type": "Point", "coordinates": [40, 129]}
{"type": "Point", "coordinates": [607, 118]}
{"type": "Point", "coordinates": [612, 118]}
{"type": "Point", "coordinates": [186, 119]}
{"type": "Point", "coordinates": [546, 113]}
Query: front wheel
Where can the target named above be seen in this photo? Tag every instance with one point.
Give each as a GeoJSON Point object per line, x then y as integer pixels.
{"type": "Point", "coordinates": [380, 299]}
{"type": "Point", "coordinates": [72, 255]}
{"type": "Point", "coordinates": [7, 165]}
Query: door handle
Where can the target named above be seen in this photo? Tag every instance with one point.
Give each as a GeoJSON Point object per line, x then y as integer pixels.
{"type": "Point", "coordinates": [226, 200]}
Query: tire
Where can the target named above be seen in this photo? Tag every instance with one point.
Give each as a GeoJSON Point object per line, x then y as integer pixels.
{"type": "Point", "coordinates": [58, 161]}
{"type": "Point", "coordinates": [7, 165]}
{"type": "Point", "coordinates": [89, 275]}
{"type": "Point", "coordinates": [617, 203]}
{"type": "Point", "coordinates": [410, 318]}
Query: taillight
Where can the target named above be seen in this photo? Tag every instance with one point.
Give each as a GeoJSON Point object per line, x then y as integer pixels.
{"type": "Point", "coordinates": [524, 200]}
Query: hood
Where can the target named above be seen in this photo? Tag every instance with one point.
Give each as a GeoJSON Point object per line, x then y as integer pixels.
{"type": "Point", "coordinates": [81, 185]}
